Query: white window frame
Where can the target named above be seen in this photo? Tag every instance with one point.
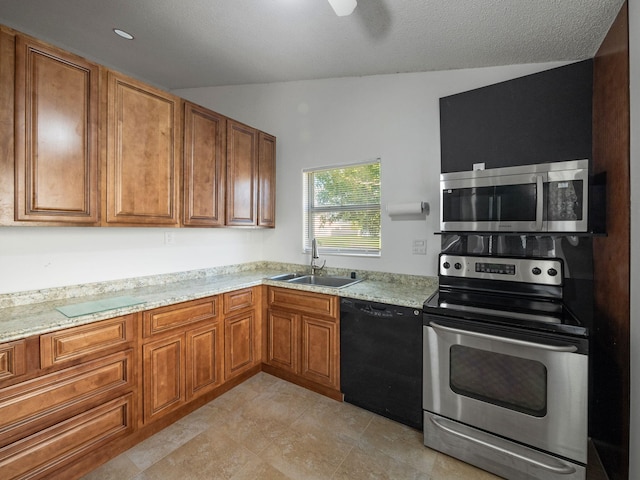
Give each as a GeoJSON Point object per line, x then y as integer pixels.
{"type": "Point", "coordinates": [308, 209]}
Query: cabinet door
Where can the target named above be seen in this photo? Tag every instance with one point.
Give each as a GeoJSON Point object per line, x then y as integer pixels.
{"type": "Point", "coordinates": [143, 147]}
{"type": "Point", "coordinates": [56, 147]}
{"type": "Point", "coordinates": [163, 376]}
{"type": "Point", "coordinates": [204, 167]}
{"type": "Point", "coordinates": [242, 174]}
{"type": "Point", "coordinates": [320, 361]}
{"type": "Point", "coordinates": [205, 357]}
{"type": "Point", "coordinates": [239, 344]}
{"type": "Point", "coordinates": [267, 181]}
{"type": "Point", "coordinates": [283, 340]}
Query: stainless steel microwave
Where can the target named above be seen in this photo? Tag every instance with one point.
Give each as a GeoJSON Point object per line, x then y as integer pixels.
{"type": "Point", "coordinates": [546, 197]}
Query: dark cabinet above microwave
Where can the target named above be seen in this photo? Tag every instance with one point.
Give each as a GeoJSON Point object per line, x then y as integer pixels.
{"type": "Point", "coordinates": [539, 118]}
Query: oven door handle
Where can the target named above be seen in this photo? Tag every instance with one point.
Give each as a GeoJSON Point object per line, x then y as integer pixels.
{"type": "Point", "coordinates": [560, 469]}
{"type": "Point", "coordinates": [513, 341]}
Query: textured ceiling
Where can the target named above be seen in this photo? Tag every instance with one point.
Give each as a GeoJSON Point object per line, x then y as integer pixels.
{"type": "Point", "coordinates": [194, 43]}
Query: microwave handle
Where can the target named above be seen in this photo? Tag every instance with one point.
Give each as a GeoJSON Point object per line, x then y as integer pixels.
{"type": "Point", "coordinates": [539, 201]}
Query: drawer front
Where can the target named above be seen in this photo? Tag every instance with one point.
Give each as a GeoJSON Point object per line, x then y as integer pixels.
{"type": "Point", "coordinates": [51, 449]}
{"type": "Point", "coordinates": [170, 317]}
{"type": "Point", "coordinates": [316, 303]}
{"type": "Point", "coordinates": [238, 300]}
{"type": "Point", "coordinates": [35, 404]}
{"type": "Point", "coordinates": [13, 359]}
{"type": "Point", "coordinates": [64, 346]}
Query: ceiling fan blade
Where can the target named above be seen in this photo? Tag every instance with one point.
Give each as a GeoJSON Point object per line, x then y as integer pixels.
{"type": "Point", "coordinates": [343, 7]}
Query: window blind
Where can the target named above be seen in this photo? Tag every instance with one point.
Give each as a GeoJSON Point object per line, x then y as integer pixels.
{"type": "Point", "coordinates": [342, 209]}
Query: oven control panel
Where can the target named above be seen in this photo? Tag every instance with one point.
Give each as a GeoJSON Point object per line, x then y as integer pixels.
{"type": "Point", "coordinates": [545, 271]}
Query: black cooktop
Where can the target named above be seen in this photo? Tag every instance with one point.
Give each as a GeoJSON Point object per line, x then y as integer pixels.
{"type": "Point", "coordinates": [511, 311]}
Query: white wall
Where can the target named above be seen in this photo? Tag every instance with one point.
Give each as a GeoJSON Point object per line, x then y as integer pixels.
{"type": "Point", "coordinates": [42, 257]}
{"type": "Point", "coordinates": [634, 54]}
{"type": "Point", "coordinates": [346, 120]}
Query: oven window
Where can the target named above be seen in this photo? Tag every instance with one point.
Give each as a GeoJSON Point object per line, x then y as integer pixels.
{"type": "Point", "coordinates": [511, 382]}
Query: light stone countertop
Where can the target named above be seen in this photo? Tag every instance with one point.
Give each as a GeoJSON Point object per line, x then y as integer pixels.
{"type": "Point", "coordinates": [31, 313]}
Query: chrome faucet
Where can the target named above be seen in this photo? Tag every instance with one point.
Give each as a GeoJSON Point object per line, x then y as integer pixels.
{"type": "Point", "coordinates": [314, 256]}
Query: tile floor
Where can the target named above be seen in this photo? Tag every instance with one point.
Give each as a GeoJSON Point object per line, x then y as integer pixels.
{"type": "Point", "coordinates": [270, 429]}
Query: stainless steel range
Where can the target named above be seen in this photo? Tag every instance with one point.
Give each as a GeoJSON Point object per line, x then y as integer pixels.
{"type": "Point", "coordinates": [505, 368]}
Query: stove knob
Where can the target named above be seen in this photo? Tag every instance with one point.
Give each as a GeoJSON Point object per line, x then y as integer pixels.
{"type": "Point", "coordinates": [552, 272]}
{"type": "Point", "coordinates": [536, 271]}
{"type": "Point", "coordinates": [457, 266]}
{"type": "Point", "coordinates": [446, 265]}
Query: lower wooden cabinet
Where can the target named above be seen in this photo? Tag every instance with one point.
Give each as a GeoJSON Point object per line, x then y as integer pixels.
{"type": "Point", "coordinates": [182, 355]}
{"type": "Point", "coordinates": [73, 398]}
{"type": "Point", "coordinates": [51, 449]}
{"type": "Point", "coordinates": [80, 399]}
{"type": "Point", "coordinates": [302, 338]}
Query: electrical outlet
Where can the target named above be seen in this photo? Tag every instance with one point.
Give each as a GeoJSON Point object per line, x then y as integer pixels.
{"type": "Point", "coordinates": [419, 247]}
{"type": "Point", "coordinates": [169, 238]}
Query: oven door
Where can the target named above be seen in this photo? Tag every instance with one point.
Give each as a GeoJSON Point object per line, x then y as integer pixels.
{"type": "Point", "coordinates": [521, 389]}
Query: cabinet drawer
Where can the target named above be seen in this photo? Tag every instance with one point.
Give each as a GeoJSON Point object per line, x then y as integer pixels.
{"type": "Point", "coordinates": [301, 301]}
{"type": "Point", "coordinates": [35, 404]}
{"type": "Point", "coordinates": [170, 317]}
{"type": "Point", "coordinates": [13, 359]}
{"type": "Point", "coordinates": [71, 344]}
{"type": "Point", "coordinates": [50, 449]}
{"type": "Point", "coordinates": [238, 300]}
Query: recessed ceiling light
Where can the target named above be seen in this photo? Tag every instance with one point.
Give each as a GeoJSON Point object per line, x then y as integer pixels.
{"type": "Point", "coordinates": [123, 34]}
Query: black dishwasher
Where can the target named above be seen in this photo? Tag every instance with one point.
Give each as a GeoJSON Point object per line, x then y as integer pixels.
{"type": "Point", "coordinates": [381, 359]}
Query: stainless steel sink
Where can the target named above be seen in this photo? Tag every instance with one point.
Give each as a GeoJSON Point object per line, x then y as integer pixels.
{"type": "Point", "coordinates": [285, 277]}
{"type": "Point", "coordinates": [300, 279]}
{"type": "Point", "coordinates": [335, 282]}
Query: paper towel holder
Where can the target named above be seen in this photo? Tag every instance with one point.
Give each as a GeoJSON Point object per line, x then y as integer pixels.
{"type": "Point", "coordinates": [407, 209]}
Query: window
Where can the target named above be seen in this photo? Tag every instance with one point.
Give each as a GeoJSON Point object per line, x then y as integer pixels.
{"type": "Point", "coordinates": [342, 209]}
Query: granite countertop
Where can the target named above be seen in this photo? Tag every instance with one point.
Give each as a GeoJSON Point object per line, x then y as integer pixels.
{"type": "Point", "coordinates": [31, 313]}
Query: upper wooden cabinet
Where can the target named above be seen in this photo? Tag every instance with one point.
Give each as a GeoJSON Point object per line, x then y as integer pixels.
{"type": "Point", "coordinates": [83, 145]}
{"type": "Point", "coordinates": [143, 151]}
{"type": "Point", "coordinates": [56, 135]}
{"type": "Point", "coordinates": [251, 170]}
{"type": "Point", "coordinates": [242, 174]}
{"type": "Point", "coordinates": [266, 180]}
{"type": "Point", "coordinates": [204, 167]}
